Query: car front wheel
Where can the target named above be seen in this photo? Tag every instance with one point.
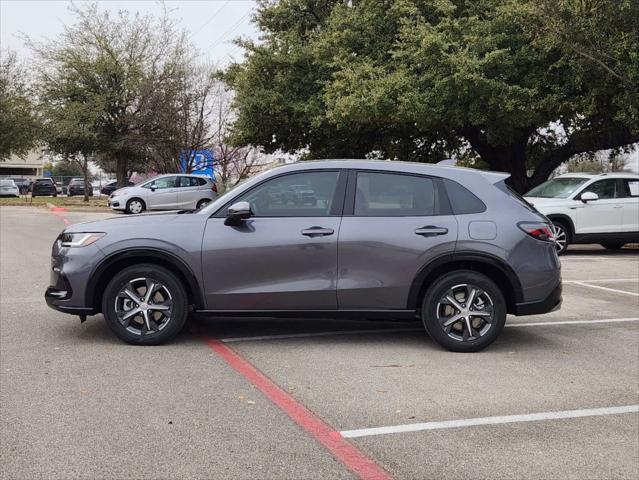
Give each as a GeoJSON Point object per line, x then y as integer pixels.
{"type": "Point", "coordinates": [145, 305]}
{"type": "Point", "coordinates": [464, 311]}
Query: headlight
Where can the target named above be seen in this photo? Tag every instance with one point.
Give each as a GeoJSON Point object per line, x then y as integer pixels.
{"type": "Point", "coordinates": [79, 239]}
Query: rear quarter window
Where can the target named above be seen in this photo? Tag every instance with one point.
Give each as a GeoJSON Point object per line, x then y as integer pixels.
{"type": "Point", "coordinates": [462, 200]}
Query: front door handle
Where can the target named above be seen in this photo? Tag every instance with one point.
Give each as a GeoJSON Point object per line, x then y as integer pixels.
{"type": "Point", "coordinates": [431, 231]}
{"type": "Point", "coordinates": [317, 231]}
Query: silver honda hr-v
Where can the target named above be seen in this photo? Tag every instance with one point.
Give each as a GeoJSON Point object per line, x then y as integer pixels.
{"type": "Point", "coordinates": [452, 247]}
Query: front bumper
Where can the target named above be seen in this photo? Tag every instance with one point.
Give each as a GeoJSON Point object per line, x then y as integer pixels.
{"type": "Point", "coordinates": [70, 272]}
{"type": "Point", "coordinates": [549, 304]}
{"type": "Point", "coordinates": [116, 204]}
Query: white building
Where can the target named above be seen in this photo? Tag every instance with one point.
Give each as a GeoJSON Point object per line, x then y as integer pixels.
{"type": "Point", "coordinates": [28, 166]}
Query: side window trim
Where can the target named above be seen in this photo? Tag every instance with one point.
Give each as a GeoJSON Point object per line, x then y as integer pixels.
{"type": "Point", "coordinates": [443, 202]}
{"type": "Point", "coordinates": [338, 196]}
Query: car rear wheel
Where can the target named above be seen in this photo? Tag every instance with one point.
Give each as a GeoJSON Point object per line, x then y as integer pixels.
{"type": "Point", "coordinates": [145, 305]}
{"type": "Point", "coordinates": [464, 311]}
{"type": "Point", "coordinates": [203, 202]}
{"type": "Point", "coordinates": [613, 245]}
{"type": "Point", "coordinates": [135, 205]}
{"type": "Point", "coordinates": [562, 236]}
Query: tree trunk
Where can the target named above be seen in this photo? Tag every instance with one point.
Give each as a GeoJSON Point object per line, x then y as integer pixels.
{"type": "Point", "coordinates": [121, 170]}
{"type": "Point", "coordinates": [85, 173]}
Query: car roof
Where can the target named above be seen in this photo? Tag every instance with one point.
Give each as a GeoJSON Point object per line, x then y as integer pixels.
{"type": "Point", "coordinates": [599, 175]}
{"type": "Point", "coordinates": [394, 166]}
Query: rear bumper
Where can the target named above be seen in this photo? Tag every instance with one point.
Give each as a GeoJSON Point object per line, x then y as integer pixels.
{"type": "Point", "coordinates": [549, 304]}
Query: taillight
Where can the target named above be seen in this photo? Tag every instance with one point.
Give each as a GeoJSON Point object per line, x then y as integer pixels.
{"type": "Point", "coordinates": [214, 188]}
{"type": "Point", "coordinates": [538, 230]}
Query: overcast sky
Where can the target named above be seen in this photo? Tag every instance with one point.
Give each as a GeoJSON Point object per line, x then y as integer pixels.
{"type": "Point", "coordinates": [213, 23]}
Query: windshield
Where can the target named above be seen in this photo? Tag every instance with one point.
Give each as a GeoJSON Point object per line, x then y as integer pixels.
{"type": "Point", "coordinates": [7, 183]}
{"type": "Point", "coordinates": [557, 187]}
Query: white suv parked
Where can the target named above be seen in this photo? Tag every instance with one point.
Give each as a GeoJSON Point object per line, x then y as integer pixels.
{"type": "Point", "coordinates": [590, 208]}
{"type": "Point", "coordinates": [165, 192]}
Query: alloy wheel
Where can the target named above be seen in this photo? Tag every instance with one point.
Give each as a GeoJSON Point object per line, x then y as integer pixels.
{"type": "Point", "coordinates": [144, 306]}
{"type": "Point", "coordinates": [561, 238]}
{"type": "Point", "coordinates": [465, 312]}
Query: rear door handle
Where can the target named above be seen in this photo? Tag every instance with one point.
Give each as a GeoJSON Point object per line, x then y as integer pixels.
{"type": "Point", "coordinates": [317, 232]}
{"type": "Point", "coordinates": [431, 231]}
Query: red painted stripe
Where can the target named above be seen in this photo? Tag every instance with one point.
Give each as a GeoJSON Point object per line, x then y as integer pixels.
{"type": "Point", "coordinates": [346, 453]}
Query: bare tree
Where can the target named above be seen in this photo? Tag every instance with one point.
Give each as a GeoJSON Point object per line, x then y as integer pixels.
{"type": "Point", "coordinates": [234, 163]}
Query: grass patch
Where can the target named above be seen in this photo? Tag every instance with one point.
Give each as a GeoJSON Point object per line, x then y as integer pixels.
{"type": "Point", "coordinates": [97, 203]}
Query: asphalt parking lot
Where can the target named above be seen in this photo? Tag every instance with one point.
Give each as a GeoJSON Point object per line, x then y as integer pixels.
{"type": "Point", "coordinates": [555, 397]}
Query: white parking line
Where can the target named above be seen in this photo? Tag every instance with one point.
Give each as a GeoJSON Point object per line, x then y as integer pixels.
{"type": "Point", "coordinates": [604, 280]}
{"type": "Point", "coordinates": [599, 287]}
{"type": "Point", "coordinates": [469, 422]}
{"type": "Point", "coordinates": [419, 329]}
{"type": "Point", "coordinates": [572, 322]}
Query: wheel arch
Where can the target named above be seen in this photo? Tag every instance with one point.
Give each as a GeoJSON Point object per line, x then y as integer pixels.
{"type": "Point", "coordinates": [566, 220]}
{"type": "Point", "coordinates": [118, 260]}
{"type": "Point", "coordinates": [494, 268]}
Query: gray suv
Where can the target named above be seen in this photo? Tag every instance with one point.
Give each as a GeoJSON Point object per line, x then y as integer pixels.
{"type": "Point", "coordinates": [452, 247]}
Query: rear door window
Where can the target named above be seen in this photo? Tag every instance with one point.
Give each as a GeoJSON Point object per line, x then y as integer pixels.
{"type": "Point", "coordinates": [394, 195]}
{"type": "Point", "coordinates": [630, 188]}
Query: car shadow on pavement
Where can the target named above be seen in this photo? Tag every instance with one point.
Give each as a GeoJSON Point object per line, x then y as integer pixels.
{"type": "Point", "coordinates": [307, 331]}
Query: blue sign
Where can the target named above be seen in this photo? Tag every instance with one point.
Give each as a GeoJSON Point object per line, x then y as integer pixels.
{"type": "Point", "coordinates": [200, 161]}
{"type": "Point", "coordinates": [46, 173]}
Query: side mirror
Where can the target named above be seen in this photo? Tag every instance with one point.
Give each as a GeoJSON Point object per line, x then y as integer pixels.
{"type": "Point", "coordinates": [237, 212]}
{"type": "Point", "coordinates": [589, 197]}
{"type": "Point", "coordinates": [153, 188]}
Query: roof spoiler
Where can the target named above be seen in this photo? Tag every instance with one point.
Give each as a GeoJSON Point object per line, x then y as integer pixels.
{"type": "Point", "coordinates": [492, 177]}
{"type": "Point", "coordinates": [495, 177]}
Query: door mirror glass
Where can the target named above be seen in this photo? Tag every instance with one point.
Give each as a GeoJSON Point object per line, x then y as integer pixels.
{"type": "Point", "coordinates": [589, 197]}
{"type": "Point", "coordinates": [238, 212]}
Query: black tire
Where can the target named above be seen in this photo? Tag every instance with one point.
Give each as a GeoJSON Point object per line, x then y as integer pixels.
{"type": "Point", "coordinates": [612, 245]}
{"type": "Point", "coordinates": [130, 203]}
{"type": "Point", "coordinates": [432, 304]}
{"type": "Point", "coordinates": [178, 309]}
{"type": "Point", "coordinates": [563, 236]}
{"type": "Point", "coordinates": [203, 202]}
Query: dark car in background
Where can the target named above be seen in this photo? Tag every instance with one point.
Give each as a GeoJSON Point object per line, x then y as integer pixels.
{"type": "Point", "coordinates": [451, 247]}
{"type": "Point", "coordinates": [76, 187]}
{"type": "Point", "coordinates": [112, 186]}
{"type": "Point", "coordinates": [44, 187]}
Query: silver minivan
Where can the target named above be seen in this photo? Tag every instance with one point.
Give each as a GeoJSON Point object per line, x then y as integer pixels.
{"type": "Point", "coordinates": [165, 192]}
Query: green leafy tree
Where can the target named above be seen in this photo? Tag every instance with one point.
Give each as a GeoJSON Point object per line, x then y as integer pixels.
{"type": "Point", "coordinates": [107, 69]}
{"type": "Point", "coordinates": [19, 124]}
{"type": "Point", "coordinates": [519, 85]}
{"type": "Point", "coordinates": [66, 168]}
